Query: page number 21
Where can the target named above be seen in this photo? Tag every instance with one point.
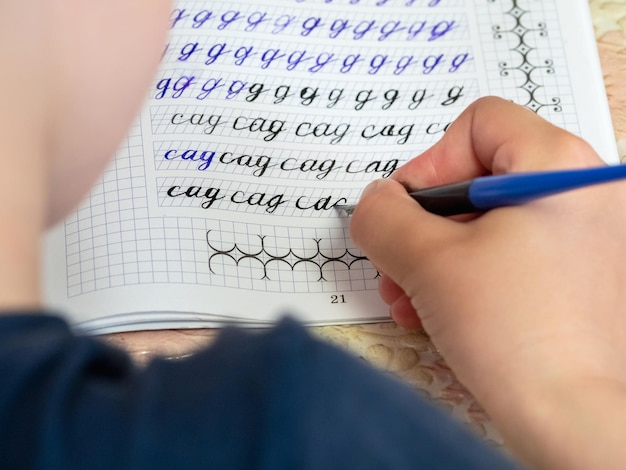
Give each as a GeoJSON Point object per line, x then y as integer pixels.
{"type": "Point", "coordinates": [337, 299]}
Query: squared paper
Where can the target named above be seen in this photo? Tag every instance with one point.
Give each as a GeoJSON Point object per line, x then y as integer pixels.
{"type": "Point", "coordinates": [219, 205]}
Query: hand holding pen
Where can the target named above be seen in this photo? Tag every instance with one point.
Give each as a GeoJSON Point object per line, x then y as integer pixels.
{"type": "Point", "coordinates": [490, 192]}
{"type": "Point", "coordinates": [526, 304]}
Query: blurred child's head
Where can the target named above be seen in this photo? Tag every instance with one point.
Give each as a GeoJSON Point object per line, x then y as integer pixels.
{"type": "Point", "coordinates": [102, 55]}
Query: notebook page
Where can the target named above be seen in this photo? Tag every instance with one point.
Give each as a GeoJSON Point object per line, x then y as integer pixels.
{"type": "Point", "coordinates": [220, 204]}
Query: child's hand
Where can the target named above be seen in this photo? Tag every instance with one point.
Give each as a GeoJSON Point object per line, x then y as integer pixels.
{"type": "Point", "coordinates": [527, 304]}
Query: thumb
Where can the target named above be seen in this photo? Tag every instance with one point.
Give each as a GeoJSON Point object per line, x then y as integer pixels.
{"type": "Point", "coordinates": [396, 234]}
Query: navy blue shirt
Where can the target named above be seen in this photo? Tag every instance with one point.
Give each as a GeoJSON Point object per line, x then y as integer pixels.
{"type": "Point", "coordinates": [277, 399]}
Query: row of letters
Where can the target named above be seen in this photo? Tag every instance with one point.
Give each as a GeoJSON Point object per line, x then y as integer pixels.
{"type": "Point", "coordinates": [313, 62]}
{"type": "Point", "coordinates": [269, 202]}
{"type": "Point", "coordinates": [268, 129]}
{"type": "Point", "coordinates": [259, 164]}
{"type": "Point", "coordinates": [427, 28]}
{"type": "Point", "coordinates": [191, 86]}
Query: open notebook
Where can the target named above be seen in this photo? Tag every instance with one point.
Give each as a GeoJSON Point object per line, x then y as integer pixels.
{"type": "Point", "coordinates": [219, 206]}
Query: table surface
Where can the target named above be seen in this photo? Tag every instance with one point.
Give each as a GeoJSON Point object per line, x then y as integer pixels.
{"type": "Point", "coordinates": [410, 355]}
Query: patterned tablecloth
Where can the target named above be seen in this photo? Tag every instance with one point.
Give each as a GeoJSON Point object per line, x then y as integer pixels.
{"type": "Point", "coordinates": [410, 355]}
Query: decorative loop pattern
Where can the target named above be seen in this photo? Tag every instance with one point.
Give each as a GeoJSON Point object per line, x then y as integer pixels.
{"type": "Point", "coordinates": [524, 48]}
{"type": "Point", "coordinates": [265, 257]}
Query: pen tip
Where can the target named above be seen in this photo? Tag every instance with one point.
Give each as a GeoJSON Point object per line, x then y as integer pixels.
{"type": "Point", "coordinates": [346, 209]}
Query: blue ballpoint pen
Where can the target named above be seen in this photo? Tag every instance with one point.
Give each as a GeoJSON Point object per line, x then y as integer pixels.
{"type": "Point", "coordinates": [489, 192]}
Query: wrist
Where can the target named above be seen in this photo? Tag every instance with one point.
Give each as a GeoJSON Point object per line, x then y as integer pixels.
{"type": "Point", "coordinates": [569, 424]}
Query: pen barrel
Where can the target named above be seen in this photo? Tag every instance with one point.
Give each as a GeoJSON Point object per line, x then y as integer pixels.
{"type": "Point", "coordinates": [449, 199]}
{"type": "Point", "coordinates": [490, 192]}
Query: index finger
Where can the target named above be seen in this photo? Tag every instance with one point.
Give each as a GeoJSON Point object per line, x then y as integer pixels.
{"type": "Point", "coordinates": [495, 136]}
